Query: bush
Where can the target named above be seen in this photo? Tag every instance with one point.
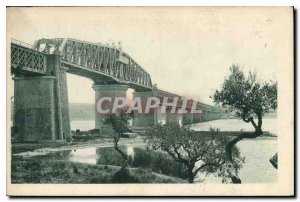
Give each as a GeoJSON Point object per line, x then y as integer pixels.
{"type": "Point", "coordinates": [109, 156]}
{"type": "Point", "coordinates": [94, 131]}
{"type": "Point", "coordinates": [159, 162]}
{"type": "Point", "coordinates": [75, 170]}
{"type": "Point", "coordinates": [123, 176]}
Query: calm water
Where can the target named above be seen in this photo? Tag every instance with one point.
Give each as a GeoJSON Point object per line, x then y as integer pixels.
{"type": "Point", "coordinates": [224, 124]}
{"type": "Point", "coordinates": [256, 168]}
{"type": "Point", "coordinates": [82, 125]}
{"type": "Point", "coordinates": [257, 152]}
{"type": "Point", "coordinates": [235, 125]}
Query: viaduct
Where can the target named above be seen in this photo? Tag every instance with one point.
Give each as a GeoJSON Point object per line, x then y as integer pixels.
{"type": "Point", "coordinates": [41, 112]}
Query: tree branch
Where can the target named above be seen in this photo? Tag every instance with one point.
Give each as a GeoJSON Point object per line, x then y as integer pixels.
{"type": "Point", "coordinates": [174, 157]}
{"type": "Point", "coordinates": [250, 119]}
{"type": "Point", "coordinates": [179, 156]}
{"type": "Point", "coordinates": [116, 140]}
{"type": "Point", "coordinates": [207, 164]}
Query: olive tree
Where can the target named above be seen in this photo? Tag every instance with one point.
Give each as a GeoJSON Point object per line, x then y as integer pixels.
{"type": "Point", "coordinates": [198, 152]}
{"type": "Point", "coordinates": [248, 98]}
{"type": "Point", "coordinates": [120, 124]}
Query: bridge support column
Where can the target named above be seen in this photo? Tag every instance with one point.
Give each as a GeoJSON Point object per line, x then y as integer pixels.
{"type": "Point", "coordinates": [34, 109]}
{"type": "Point", "coordinates": [210, 115]}
{"type": "Point", "coordinates": [41, 110]}
{"type": "Point", "coordinates": [204, 116]}
{"type": "Point", "coordinates": [171, 118]}
{"type": "Point", "coordinates": [63, 104]}
{"type": "Point", "coordinates": [62, 120]}
{"type": "Point", "coordinates": [198, 117]}
{"type": "Point", "coordinates": [110, 91]}
{"type": "Point", "coordinates": [143, 120]}
{"type": "Point", "coordinates": [187, 118]}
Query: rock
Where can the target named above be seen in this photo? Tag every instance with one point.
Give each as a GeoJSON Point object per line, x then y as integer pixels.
{"type": "Point", "coordinates": [274, 160]}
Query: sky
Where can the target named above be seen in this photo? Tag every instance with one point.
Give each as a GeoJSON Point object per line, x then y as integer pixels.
{"type": "Point", "coordinates": [187, 51]}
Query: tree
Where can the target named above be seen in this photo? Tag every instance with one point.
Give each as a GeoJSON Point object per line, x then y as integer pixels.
{"type": "Point", "coordinates": [184, 146]}
{"type": "Point", "coordinates": [247, 98]}
{"type": "Point", "coordinates": [120, 124]}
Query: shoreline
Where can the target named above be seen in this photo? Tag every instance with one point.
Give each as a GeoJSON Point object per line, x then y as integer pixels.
{"type": "Point", "coordinates": [99, 143]}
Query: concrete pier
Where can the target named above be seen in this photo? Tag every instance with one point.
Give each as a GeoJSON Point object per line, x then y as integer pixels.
{"type": "Point", "coordinates": [41, 109]}
{"type": "Point", "coordinates": [110, 91]}
{"type": "Point", "coordinates": [144, 120]}
{"type": "Point", "coordinates": [34, 109]}
{"type": "Point", "coordinates": [171, 118]}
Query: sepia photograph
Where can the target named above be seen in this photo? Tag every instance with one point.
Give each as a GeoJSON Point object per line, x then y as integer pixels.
{"type": "Point", "coordinates": [150, 101]}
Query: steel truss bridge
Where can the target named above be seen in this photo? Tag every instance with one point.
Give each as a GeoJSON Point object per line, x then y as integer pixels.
{"type": "Point", "coordinates": [40, 90]}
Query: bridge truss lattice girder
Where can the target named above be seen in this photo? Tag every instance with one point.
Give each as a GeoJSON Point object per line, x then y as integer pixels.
{"type": "Point", "coordinates": [107, 60]}
{"type": "Point", "coordinates": [27, 60]}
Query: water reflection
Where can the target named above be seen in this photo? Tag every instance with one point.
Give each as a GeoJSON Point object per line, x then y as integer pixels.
{"type": "Point", "coordinates": [93, 155]}
{"type": "Point", "coordinates": [87, 155]}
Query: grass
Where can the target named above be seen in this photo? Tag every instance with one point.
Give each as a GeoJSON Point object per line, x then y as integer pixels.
{"type": "Point", "coordinates": [31, 146]}
{"type": "Point", "coordinates": [64, 172]}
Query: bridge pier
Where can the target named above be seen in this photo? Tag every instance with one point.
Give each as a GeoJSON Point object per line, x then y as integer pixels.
{"type": "Point", "coordinates": [64, 104]}
{"type": "Point", "coordinates": [41, 111]}
{"type": "Point", "coordinates": [34, 109]}
{"type": "Point", "coordinates": [204, 116]}
{"type": "Point", "coordinates": [110, 91]}
{"type": "Point", "coordinates": [187, 118]}
{"type": "Point", "coordinates": [142, 121]}
{"type": "Point", "coordinates": [171, 118]}
{"type": "Point", "coordinates": [197, 118]}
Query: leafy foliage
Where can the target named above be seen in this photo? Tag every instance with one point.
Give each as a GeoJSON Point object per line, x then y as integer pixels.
{"type": "Point", "coordinates": [246, 96]}
{"type": "Point", "coordinates": [159, 162]}
{"type": "Point", "coordinates": [120, 124]}
{"type": "Point", "coordinates": [184, 146]}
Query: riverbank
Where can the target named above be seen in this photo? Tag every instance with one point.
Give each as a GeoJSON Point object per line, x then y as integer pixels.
{"type": "Point", "coordinates": [40, 148]}
{"type": "Point", "coordinates": [36, 148]}
{"type": "Point", "coordinates": [88, 149]}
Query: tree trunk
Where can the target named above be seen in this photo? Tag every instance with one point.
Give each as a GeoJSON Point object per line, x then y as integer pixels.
{"type": "Point", "coordinates": [124, 156]}
{"type": "Point", "coordinates": [228, 148]}
{"type": "Point", "coordinates": [191, 174]}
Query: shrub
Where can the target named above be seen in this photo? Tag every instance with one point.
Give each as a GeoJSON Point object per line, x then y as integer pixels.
{"type": "Point", "coordinates": [158, 162]}
{"type": "Point", "coordinates": [123, 176]}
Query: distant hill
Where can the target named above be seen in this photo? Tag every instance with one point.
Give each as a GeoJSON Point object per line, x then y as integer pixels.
{"type": "Point", "coordinates": [82, 111]}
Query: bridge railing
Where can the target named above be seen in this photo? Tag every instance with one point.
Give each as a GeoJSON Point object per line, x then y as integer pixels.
{"type": "Point", "coordinates": [25, 58]}
{"type": "Point", "coordinates": [21, 43]}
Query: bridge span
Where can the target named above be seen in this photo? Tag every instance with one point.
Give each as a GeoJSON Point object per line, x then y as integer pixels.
{"type": "Point", "coordinates": [41, 102]}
